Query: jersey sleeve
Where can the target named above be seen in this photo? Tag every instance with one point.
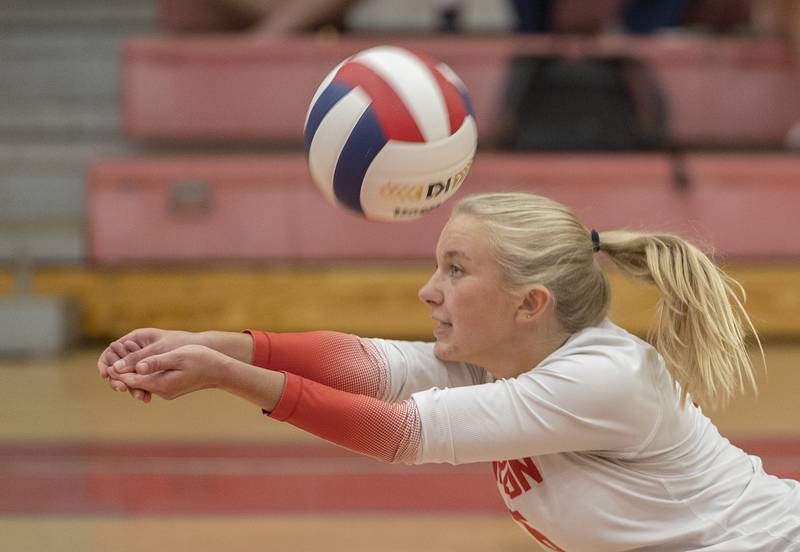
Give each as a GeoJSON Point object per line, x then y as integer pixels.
{"type": "Point", "coordinates": [413, 367]}
{"type": "Point", "coordinates": [338, 360]}
{"type": "Point", "coordinates": [390, 370]}
{"type": "Point", "coordinates": [389, 432]}
{"type": "Point", "coordinates": [585, 401]}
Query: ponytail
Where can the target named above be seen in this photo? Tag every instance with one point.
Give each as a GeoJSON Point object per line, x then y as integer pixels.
{"type": "Point", "coordinates": [701, 323]}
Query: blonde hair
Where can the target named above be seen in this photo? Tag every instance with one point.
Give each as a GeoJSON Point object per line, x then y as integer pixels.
{"type": "Point", "coordinates": [700, 323]}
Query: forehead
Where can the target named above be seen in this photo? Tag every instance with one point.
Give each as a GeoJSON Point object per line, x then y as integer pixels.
{"type": "Point", "coordinates": [463, 235]}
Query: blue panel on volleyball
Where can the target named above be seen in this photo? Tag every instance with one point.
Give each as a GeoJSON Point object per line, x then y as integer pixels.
{"type": "Point", "coordinates": [330, 97]}
{"type": "Point", "coordinates": [364, 143]}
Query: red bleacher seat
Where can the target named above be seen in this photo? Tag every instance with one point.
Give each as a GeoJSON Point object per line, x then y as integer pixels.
{"type": "Point", "coordinates": [746, 204]}
{"type": "Point", "coordinates": [266, 208]}
{"type": "Point", "coordinates": [720, 92]}
{"type": "Point", "coordinates": [221, 89]}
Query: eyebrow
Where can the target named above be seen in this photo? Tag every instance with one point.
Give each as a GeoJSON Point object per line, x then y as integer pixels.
{"type": "Point", "coordinates": [456, 253]}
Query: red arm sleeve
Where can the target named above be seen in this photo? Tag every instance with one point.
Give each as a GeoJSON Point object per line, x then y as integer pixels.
{"type": "Point", "coordinates": [390, 432]}
{"type": "Point", "coordinates": [337, 360]}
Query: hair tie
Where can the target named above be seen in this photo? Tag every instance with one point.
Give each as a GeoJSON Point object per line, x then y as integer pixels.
{"type": "Point", "coordinates": [595, 241]}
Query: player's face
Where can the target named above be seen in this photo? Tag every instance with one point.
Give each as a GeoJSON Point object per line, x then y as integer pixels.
{"type": "Point", "coordinates": [474, 314]}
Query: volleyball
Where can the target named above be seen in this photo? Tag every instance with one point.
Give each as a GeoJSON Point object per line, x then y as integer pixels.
{"type": "Point", "coordinates": [390, 134]}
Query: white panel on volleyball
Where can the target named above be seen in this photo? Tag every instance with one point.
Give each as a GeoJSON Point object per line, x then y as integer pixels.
{"type": "Point", "coordinates": [416, 86]}
{"type": "Point", "coordinates": [398, 181]}
{"type": "Point", "coordinates": [331, 136]}
{"type": "Point", "coordinates": [321, 88]}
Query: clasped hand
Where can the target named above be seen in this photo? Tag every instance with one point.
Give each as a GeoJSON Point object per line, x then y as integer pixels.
{"type": "Point", "coordinates": [165, 363]}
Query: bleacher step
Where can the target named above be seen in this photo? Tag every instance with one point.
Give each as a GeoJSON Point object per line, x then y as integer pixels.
{"type": "Point", "coordinates": [21, 196]}
{"type": "Point", "coordinates": [53, 118]}
{"type": "Point", "coordinates": [34, 326]}
{"type": "Point", "coordinates": [44, 239]}
{"type": "Point", "coordinates": [82, 15]}
{"type": "Point", "coordinates": [369, 299]}
{"type": "Point", "coordinates": [224, 89]}
{"type": "Point", "coordinates": [265, 208]}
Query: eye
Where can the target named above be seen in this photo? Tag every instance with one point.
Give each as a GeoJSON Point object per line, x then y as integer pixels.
{"type": "Point", "coordinates": [454, 271]}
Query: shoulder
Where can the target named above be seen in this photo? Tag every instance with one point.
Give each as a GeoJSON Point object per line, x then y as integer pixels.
{"type": "Point", "coordinates": [604, 363]}
{"type": "Point", "coordinates": [603, 349]}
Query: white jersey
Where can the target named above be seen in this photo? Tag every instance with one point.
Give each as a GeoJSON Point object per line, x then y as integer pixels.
{"type": "Point", "coordinates": [592, 450]}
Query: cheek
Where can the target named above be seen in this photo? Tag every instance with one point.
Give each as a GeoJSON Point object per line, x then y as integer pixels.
{"type": "Point", "coordinates": [479, 314]}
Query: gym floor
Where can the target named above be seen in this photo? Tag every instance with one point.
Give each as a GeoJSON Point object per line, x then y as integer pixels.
{"type": "Point", "coordinates": [85, 469]}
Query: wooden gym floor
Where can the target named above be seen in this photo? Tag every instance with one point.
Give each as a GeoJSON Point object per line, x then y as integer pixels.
{"type": "Point", "coordinates": [86, 469]}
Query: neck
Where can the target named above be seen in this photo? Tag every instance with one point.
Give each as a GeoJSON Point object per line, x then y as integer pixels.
{"type": "Point", "coordinates": [528, 351]}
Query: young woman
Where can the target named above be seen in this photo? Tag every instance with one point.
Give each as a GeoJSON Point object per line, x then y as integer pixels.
{"type": "Point", "coordinates": [594, 435]}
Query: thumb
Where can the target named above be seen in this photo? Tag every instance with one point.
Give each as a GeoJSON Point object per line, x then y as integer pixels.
{"type": "Point", "coordinates": [128, 362]}
{"type": "Point", "coordinates": [156, 363]}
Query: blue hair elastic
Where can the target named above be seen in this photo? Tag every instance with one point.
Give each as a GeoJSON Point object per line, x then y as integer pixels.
{"type": "Point", "coordinates": [595, 241]}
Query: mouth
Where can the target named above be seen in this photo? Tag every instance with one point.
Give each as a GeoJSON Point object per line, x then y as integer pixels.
{"type": "Point", "coordinates": [441, 327]}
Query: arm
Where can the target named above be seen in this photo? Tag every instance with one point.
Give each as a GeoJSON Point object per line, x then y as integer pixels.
{"type": "Point", "coordinates": [388, 432]}
{"type": "Point", "coordinates": [562, 405]}
{"type": "Point", "coordinates": [581, 402]}
{"type": "Point", "coordinates": [385, 369]}
{"type": "Point", "coordinates": [339, 360]}
{"type": "Point", "coordinates": [391, 370]}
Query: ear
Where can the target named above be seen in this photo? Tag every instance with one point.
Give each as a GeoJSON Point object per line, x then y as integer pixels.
{"type": "Point", "coordinates": [534, 303]}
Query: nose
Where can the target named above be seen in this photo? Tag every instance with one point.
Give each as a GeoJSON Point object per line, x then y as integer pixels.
{"type": "Point", "coordinates": [430, 293]}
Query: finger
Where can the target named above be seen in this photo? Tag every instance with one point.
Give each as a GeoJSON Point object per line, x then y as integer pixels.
{"type": "Point", "coordinates": [139, 335]}
{"type": "Point", "coordinates": [114, 382]}
{"type": "Point", "coordinates": [151, 383]}
{"type": "Point", "coordinates": [128, 363]}
{"type": "Point", "coordinates": [131, 346]}
{"type": "Point", "coordinates": [119, 349]}
{"type": "Point", "coordinates": [118, 385]}
{"type": "Point", "coordinates": [106, 359]}
{"type": "Point", "coordinates": [139, 394]}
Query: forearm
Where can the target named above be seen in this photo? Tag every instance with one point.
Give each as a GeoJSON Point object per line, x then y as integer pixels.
{"type": "Point", "coordinates": [338, 360]}
{"type": "Point", "coordinates": [261, 387]}
{"type": "Point", "coordinates": [236, 345]}
{"type": "Point", "coordinates": [390, 432]}
{"type": "Point", "coordinates": [387, 432]}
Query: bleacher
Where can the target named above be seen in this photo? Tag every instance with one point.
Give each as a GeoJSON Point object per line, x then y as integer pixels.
{"type": "Point", "coordinates": [209, 217]}
{"type": "Point", "coordinates": [720, 92]}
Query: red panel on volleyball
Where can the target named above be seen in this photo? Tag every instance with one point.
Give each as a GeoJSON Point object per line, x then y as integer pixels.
{"type": "Point", "coordinates": [250, 89]}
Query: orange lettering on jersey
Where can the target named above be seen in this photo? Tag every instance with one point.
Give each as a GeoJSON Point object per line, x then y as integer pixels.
{"type": "Point", "coordinates": [513, 475]}
{"type": "Point", "coordinates": [505, 477]}
{"type": "Point", "coordinates": [544, 541]}
{"type": "Point", "coordinates": [525, 467]}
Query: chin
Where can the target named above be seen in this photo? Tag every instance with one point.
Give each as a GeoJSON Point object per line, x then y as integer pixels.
{"type": "Point", "coordinates": [443, 351]}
